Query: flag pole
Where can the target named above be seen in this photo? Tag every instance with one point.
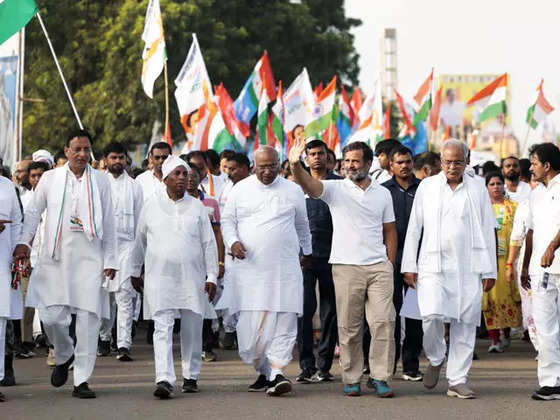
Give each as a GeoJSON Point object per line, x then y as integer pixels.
{"type": "Point", "coordinates": [60, 71]}
{"type": "Point", "coordinates": [167, 135]}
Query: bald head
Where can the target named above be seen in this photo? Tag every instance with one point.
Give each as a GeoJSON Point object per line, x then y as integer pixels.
{"type": "Point", "coordinates": [267, 166]}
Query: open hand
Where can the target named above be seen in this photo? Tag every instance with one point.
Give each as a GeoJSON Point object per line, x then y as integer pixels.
{"type": "Point", "coordinates": [297, 150]}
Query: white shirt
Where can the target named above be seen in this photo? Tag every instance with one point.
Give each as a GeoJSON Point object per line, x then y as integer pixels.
{"type": "Point", "coordinates": [149, 183]}
{"type": "Point", "coordinates": [358, 216]}
{"type": "Point", "coordinates": [127, 204]}
{"type": "Point", "coordinates": [176, 243]}
{"type": "Point", "coordinates": [271, 223]}
{"type": "Point", "coordinates": [544, 210]}
{"type": "Point", "coordinates": [521, 194]}
{"type": "Point", "coordinates": [218, 185]}
{"type": "Point", "coordinates": [11, 305]}
{"type": "Point", "coordinates": [223, 197]}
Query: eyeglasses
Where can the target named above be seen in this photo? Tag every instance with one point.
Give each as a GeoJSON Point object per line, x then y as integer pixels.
{"type": "Point", "coordinates": [160, 157]}
{"type": "Point", "coordinates": [450, 163]}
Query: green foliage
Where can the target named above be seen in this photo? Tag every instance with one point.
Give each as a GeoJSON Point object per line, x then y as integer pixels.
{"type": "Point", "coordinates": [99, 47]}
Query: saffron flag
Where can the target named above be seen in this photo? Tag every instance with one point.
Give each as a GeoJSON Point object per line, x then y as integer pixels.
{"type": "Point", "coordinates": [154, 54]}
{"type": "Point", "coordinates": [370, 129]}
{"type": "Point", "coordinates": [491, 99]}
{"type": "Point", "coordinates": [260, 79]}
{"type": "Point", "coordinates": [540, 109]}
{"type": "Point", "coordinates": [235, 127]}
{"type": "Point", "coordinates": [407, 121]}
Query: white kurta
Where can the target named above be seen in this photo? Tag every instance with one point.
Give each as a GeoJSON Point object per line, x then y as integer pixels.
{"type": "Point", "coordinates": [458, 247]}
{"type": "Point", "coordinates": [149, 184]}
{"type": "Point", "coordinates": [176, 243]}
{"type": "Point", "coordinates": [76, 278]}
{"type": "Point", "coordinates": [215, 189]}
{"type": "Point", "coordinates": [127, 203]}
{"type": "Point", "coordinates": [521, 194]}
{"type": "Point", "coordinates": [11, 305]}
{"type": "Point", "coordinates": [271, 223]}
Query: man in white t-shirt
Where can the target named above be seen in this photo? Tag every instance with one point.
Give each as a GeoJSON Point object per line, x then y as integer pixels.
{"type": "Point", "coordinates": [363, 252]}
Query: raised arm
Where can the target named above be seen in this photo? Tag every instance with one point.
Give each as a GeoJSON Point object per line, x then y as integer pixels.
{"type": "Point", "coordinates": [310, 185]}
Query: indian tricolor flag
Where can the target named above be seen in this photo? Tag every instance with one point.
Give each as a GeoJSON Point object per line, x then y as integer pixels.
{"type": "Point", "coordinates": [14, 15]}
{"type": "Point", "coordinates": [491, 100]}
{"type": "Point", "coordinates": [540, 109]}
{"type": "Point", "coordinates": [278, 113]}
{"type": "Point", "coordinates": [323, 113]}
{"type": "Point", "coordinates": [264, 133]}
{"type": "Point", "coordinates": [423, 99]}
{"type": "Point", "coordinates": [154, 54]}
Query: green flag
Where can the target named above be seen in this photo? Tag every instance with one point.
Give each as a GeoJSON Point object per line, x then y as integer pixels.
{"type": "Point", "coordinates": [14, 15]}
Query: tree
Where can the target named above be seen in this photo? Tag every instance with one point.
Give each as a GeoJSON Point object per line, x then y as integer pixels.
{"type": "Point", "coordinates": [99, 46]}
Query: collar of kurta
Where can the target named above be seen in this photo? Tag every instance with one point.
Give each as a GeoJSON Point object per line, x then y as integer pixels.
{"type": "Point", "coordinates": [371, 185]}
{"type": "Point", "coordinates": [553, 182]}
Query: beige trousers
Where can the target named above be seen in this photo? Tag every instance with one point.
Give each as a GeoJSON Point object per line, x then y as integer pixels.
{"type": "Point", "coordinates": [370, 287]}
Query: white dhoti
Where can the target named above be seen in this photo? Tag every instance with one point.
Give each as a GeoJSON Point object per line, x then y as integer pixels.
{"type": "Point", "coordinates": [462, 337]}
{"type": "Point", "coordinates": [57, 319]}
{"type": "Point", "coordinates": [191, 344]}
{"type": "Point", "coordinates": [2, 345]}
{"type": "Point", "coordinates": [266, 340]}
{"type": "Point", "coordinates": [546, 313]}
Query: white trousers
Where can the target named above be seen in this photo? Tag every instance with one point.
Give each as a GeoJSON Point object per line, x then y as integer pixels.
{"type": "Point", "coordinates": [57, 319]}
{"type": "Point", "coordinates": [229, 320]}
{"type": "Point", "coordinates": [191, 344]}
{"type": "Point", "coordinates": [462, 337]}
{"type": "Point", "coordinates": [122, 307]}
{"type": "Point", "coordinates": [546, 313]}
{"type": "Point", "coordinates": [266, 340]}
{"type": "Point", "coordinates": [2, 345]}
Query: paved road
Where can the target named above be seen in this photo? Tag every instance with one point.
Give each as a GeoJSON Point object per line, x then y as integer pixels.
{"type": "Point", "coordinates": [503, 383]}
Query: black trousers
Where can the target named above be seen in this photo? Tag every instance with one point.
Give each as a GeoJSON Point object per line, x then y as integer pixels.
{"type": "Point", "coordinates": [327, 310]}
{"type": "Point", "coordinates": [412, 344]}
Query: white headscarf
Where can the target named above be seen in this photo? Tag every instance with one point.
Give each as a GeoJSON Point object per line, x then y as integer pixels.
{"type": "Point", "coordinates": [43, 155]}
{"type": "Point", "coordinates": [171, 163]}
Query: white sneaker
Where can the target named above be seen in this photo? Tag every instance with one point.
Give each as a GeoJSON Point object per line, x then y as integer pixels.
{"type": "Point", "coordinates": [495, 348]}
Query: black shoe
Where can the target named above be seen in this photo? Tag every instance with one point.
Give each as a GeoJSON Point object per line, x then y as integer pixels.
{"type": "Point", "coordinates": [365, 370]}
{"type": "Point", "coordinates": [321, 376]}
{"type": "Point", "coordinates": [229, 341]}
{"type": "Point", "coordinates": [164, 390]}
{"type": "Point", "coordinates": [190, 386]}
{"type": "Point", "coordinates": [280, 385]}
{"type": "Point", "coordinates": [104, 348]}
{"type": "Point", "coordinates": [547, 393]}
{"type": "Point", "coordinates": [306, 376]}
{"type": "Point", "coordinates": [9, 375]}
{"type": "Point", "coordinates": [124, 355]}
{"type": "Point", "coordinates": [83, 391]}
{"type": "Point", "coordinates": [261, 384]}
{"type": "Point", "coordinates": [59, 374]}
{"type": "Point", "coordinates": [2, 397]}
{"type": "Point", "coordinates": [475, 356]}
{"type": "Point", "coordinates": [114, 348]}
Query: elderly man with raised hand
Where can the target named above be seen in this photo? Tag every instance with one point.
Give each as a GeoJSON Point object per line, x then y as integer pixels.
{"type": "Point", "coordinates": [175, 244]}
{"type": "Point", "coordinates": [363, 252]}
{"type": "Point", "coordinates": [265, 225]}
{"type": "Point", "coordinates": [452, 222]}
{"type": "Point", "coordinates": [76, 261]}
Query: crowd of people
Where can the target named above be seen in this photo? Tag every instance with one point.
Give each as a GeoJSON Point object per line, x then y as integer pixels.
{"type": "Point", "coordinates": [409, 254]}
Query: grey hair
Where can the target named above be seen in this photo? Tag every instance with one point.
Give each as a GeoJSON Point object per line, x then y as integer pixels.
{"type": "Point", "coordinates": [263, 149]}
{"type": "Point", "coordinates": [458, 144]}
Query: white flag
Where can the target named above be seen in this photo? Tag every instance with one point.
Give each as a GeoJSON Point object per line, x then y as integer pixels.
{"type": "Point", "coordinates": [299, 102]}
{"type": "Point", "coordinates": [193, 84]}
{"type": "Point", "coordinates": [154, 54]}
